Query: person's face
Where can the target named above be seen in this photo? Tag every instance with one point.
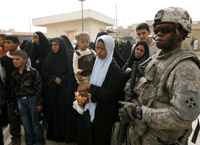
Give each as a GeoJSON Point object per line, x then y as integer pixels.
{"type": "Point", "coordinates": [10, 45]}
{"type": "Point", "coordinates": [143, 34]}
{"type": "Point", "coordinates": [101, 50]}
{"type": "Point", "coordinates": [139, 51]}
{"type": "Point", "coordinates": [2, 42]}
{"type": "Point", "coordinates": [18, 61]}
{"type": "Point", "coordinates": [83, 42]}
{"type": "Point", "coordinates": [164, 33]}
{"type": "Point", "coordinates": [55, 47]}
{"type": "Point", "coordinates": [36, 39]}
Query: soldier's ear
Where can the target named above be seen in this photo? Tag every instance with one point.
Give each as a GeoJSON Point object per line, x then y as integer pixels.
{"type": "Point", "coordinates": [180, 34]}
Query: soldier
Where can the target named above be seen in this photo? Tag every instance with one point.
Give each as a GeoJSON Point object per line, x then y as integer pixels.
{"type": "Point", "coordinates": [167, 91]}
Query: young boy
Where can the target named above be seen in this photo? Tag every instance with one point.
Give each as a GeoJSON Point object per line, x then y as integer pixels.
{"type": "Point", "coordinates": [83, 62]}
{"type": "Point", "coordinates": [6, 68]}
{"type": "Point", "coordinates": [26, 96]}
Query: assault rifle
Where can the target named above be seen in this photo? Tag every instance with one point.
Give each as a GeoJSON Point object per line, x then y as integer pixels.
{"type": "Point", "coordinates": [129, 95]}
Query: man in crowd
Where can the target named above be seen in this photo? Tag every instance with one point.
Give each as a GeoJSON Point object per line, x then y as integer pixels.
{"type": "Point", "coordinates": [143, 33]}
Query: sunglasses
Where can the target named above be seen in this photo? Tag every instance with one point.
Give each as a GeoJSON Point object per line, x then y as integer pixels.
{"type": "Point", "coordinates": [163, 30]}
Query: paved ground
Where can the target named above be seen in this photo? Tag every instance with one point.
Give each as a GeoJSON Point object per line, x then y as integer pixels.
{"type": "Point", "coordinates": [7, 140]}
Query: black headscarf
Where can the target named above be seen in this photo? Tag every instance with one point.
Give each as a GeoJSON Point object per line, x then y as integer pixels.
{"type": "Point", "coordinates": [22, 46]}
{"type": "Point", "coordinates": [39, 52]}
{"type": "Point", "coordinates": [118, 56]}
{"type": "Point", "coordinates": [56, 62]}
{"type": "Point", "coordinates": [59, 63]}
{"type": "Point", "coordinates": [69, 44]}
{"type": "Point", "coordinates": [127, 50]}
{"type": "Point", "coordinates": [132, 57]}
{"type": "Point", "coordinates": [28, 47]}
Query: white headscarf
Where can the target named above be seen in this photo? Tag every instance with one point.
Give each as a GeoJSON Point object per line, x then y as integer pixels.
{"type": "Point", "coordinates": [101, 66]}
{"type": "Point", "coordinates": [100, 70]}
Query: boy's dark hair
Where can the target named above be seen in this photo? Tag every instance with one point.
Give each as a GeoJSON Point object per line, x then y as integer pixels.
{"type": "Point", "coordinates": [13, 38]}
{"type": "Point", "coordinates": [21, 53]}
{"type": "Point", "coordinates": [3, 36]}
{"type": "Point", "coordinates": [142, 26]}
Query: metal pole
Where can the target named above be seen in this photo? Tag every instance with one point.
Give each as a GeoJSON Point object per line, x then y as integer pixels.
{"type": "Point", "coordinates": [116, 24]}
{"type": "Point", "coordinates": [82, 16]}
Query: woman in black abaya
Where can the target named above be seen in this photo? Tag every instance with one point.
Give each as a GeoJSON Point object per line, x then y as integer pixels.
{"type": "Point", "coordinates": [127, 50]}
{"type": "Point", "coordinates": [69, 44]}
{"type": "Point", "coordinates": [139, 54]}
{"type": "Point", "coordinates": [140, 58]}
{"type": "Point", "coordinates": [39, 51]}
{"type": "Point", "coordinates": [60, 86]}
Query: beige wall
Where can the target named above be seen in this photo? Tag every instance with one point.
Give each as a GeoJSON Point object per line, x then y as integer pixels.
{"type": "Point", "coordinates": [57, 29]}
{"type": "Point", "coordinates": [96, 27]}
{"type": "Point", "coordinates": [90, 25]}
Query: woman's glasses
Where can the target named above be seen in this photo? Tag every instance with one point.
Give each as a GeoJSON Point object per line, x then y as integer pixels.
{"type": "Point", "coordinates": [163, 30]}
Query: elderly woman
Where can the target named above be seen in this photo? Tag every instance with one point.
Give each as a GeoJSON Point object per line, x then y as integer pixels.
{"type": "Point", "coordinates": [96, 123]}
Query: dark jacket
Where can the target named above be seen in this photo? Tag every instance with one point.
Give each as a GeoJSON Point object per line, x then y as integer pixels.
{"type": "Point", "coordinates": [26, 84]}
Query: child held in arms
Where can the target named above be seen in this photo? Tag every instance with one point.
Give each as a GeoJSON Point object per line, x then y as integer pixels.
{"type": "Point", "coordinates": [83, 62]}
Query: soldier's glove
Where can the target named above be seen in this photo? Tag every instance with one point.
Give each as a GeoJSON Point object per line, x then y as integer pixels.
{"type": "Point", "coordinates": [129, 111]}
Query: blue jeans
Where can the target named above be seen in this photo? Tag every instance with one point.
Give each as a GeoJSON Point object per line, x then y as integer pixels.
{"type": "Point", "coordinates": [30, 120]}
{"type": "Point", "coordinates": [1, 132]}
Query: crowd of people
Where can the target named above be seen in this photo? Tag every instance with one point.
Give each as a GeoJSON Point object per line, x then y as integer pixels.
{"type": "Point", "coordinates": [78, 93]}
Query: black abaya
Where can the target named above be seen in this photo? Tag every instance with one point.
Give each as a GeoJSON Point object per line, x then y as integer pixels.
{"type": "Point", "coordinates": [59, 98]}
{"type": "Point", "coordinates": [39, 52]}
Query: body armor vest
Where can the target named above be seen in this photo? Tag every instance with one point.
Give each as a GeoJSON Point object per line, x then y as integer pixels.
{"type": "Point", "coordinates": [152, 93]}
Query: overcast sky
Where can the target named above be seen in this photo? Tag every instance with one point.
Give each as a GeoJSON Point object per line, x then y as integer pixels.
{"type": "Point", "coordinates": [17, 14]}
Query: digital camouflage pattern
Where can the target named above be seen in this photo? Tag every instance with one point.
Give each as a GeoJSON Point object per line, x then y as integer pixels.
{"type": "Point", "coordinates": [174, 15]}
{"type": "Point", "coordinates": [170, 98]}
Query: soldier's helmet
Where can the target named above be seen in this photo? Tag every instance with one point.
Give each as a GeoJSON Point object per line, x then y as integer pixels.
{"type": "Point", "coordinates": [174, 15]}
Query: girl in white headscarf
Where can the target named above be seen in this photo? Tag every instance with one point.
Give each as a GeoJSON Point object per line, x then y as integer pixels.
{"type": "Point", "coordinates": [95, 124]}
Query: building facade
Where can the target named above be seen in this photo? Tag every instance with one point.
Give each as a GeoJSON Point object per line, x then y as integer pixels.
{"type": "Point", "coordinates": [70, 24]}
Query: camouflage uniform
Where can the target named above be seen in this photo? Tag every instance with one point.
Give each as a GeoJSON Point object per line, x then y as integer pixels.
{"type": "Point", "coordinates": [168, 92]}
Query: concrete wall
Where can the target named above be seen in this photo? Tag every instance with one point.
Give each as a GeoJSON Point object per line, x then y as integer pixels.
{"type": "Point", "coordinates": [90, 25]}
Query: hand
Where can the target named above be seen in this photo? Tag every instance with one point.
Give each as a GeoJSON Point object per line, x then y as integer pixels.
{"type": "Point", "coordinates": [16, 111]}
{"type": "Point", "coordinates": [128, 70]}
{"type": "Point", "coordinates": [37, 61]}
{"type": "Point", "coordinates": [131, 110]}
{"type": "Point", "coordinates": [83, 93]}
{"type": "Point", "coordinates": [124, 117]}
{"type": "Point", "coordinates": [4, 80]}
{"type": "Point", "coordinates": [58, 81]}
{"type": "Point", "coordinates": [83, 87]}
{"type": "Point", "coordinates": [80, 78]}
{"type": "Point", "coordinates": [39, 108]}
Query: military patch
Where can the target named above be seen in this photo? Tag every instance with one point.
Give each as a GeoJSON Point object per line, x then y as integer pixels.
{"type": "Point", "coordinates": [190, 103]}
